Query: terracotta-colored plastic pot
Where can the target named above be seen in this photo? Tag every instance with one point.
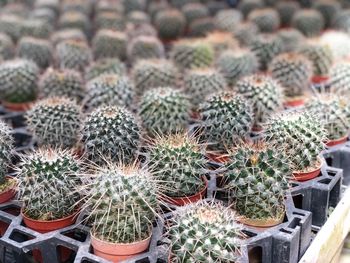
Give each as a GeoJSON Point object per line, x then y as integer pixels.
{"type": "Point", "coordinates": [218, 158]}
{"type": "Point", "coordinates": [181, 201]}
{"type": "Point", "coordinates": [43, 226]}
{"type": "Point", "coordinates": [259, 223]}
{"type": "Point", "coordinates": [319, 79]}
{"type": "Point", "coordinates": [337, 141]}
{"type": "Point", "coordinates": [305, 176]}
{"type": "Point", "coordinates": [17, 106]}
{"type": "Point", "coordinates": [118, 252]}
{"type": "Point", "coordinates": [9, 193]}
{"type": "Point", "coordinates": [297, 102]}
{"type": "Point", "coordinates": [257, 128]}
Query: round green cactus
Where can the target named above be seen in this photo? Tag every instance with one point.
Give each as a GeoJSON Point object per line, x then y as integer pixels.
{"type": "Point", "coordinates": [267, 19]}
{"type": "Point", "coordinates": [18, 80]}
{"type": "Point", "coordinates": [109, 44]}
{"type": "Point", "coordinates": [110, 133]}
{"type": "Point", "coordinates": [128, 195]}
{"type": "Point", "coordinates": [291, 39]}
{"type": "Point", "coordinates": [73, 34]}
{"type": "Point", "coordinates": [134, 5]}
{"type": "Point", "coordinates": [105, 67]}
{"type": "Point", "coordinates": [138, 18]}
{"type": "Point", "coordinates": [44, 14]}
{"type": "Point", "coordinates": [201, 27]}
{"type": "Point", "coordinates": [55, 122]}
{"type": "Point", "coordinates": [264, 93]}
{"type": "Point", "coordinates": [48, 184]}
{"type": "Point", "coordinates": [225, 118]}
{"type": "Point", "coordinates": [148, 74]}
{"type": "Point", "coordinates": [62, 83]}
{"type": "Point", "coordinates": [226, 20]}
{"type": "Point", "coordinates": [164, 110]}
{"type": "Point", "coordinates": [309, 21]}
{"type": "Point", "coordinates": [300, 134]}
{"type": "Point", "coordinates": [247, 6]}
{"type": "Point", "coordinates": [293, 71]}
{"type": "Point", "coordinates": [257, 178]}
{"type": "Point", "coordinates": [73, 54]}
{"type": "Point", "coordinates": [341, 21]}
{"type": "Point", "coordinates": [190, 54]}
{"type": "Point", "coordinates": [234, 64]}
{"type": "Point", "coordinates": [328, 9]}
{"type": "Point", "coordinates": [170, 23]}
{"type": "Point", "coordinates": [330, 111]}
{"type": "Point", "coordinates": [339, 78]}
{"type": "Point", "coordinates": [178, 162]}
{"type": "Point", "coordinates": [199, 83]}
{"type": "Point", "coordinates": [266, 47]}
{"type": "Point", "coordinates": [208, 233]}
{"type": "Point", "coordinates": [37, 50]}
{"type": "Point", "coordinates": [110, 20]}
{"type": "Point", "coordinates": [194, 11]}
{"type": "Point", "coordinates": [320, 55]}
{"type": "Point", "coordinates": [6, 47]}
{"type": "Point", "coordinates": [108, 90]}
{"type": "Point", "coordinates": [245, 33]}
{"type": "Point", "coordinates": [11, 26]}
{"type": "Point", "coordinates": [36, 28]}
{"type": "Point", "coordinates": [74, 19]}
{"type": "Point", "coordinates": [6, 148]}
{"type": "Point", "coordinates": [145, 47]}
{"type": "Point", "coordinates": [286, 10]}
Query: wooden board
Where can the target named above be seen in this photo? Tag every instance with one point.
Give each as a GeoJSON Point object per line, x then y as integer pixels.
{"type": "Point", "coordinates": [329, 241]}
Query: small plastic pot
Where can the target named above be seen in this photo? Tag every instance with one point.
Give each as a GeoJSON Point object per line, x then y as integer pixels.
{"type": "Point", "coordinates": [24, 106]}
{"type": "Point", "coordinates": [8, 194]}
{"type": "Point", "coordinates": [181, 201]}
{"type": "Point", "coordinates": [305, 176]}
{"type": "Point", "coordinates": [294, 102]}
{"type": "Point", "coordinates": [117, 252]}
{"type": "Point", "coordinates": [319, 79]}
{"type": "Point", "coordinates": [261, 223]}
{"type": "Point", "coordinates": [335, 142]}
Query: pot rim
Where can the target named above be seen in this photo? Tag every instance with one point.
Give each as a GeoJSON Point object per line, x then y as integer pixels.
{"type": "Point", "coordinates": [119, 244]}
{"type": "Point", "coordinates": [75, 213]}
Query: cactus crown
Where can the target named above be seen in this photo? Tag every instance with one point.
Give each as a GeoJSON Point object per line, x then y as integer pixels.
{"type": "Point", "coordinates": [109, 44]}
{"type": "Point", "coordinates": [226, 20]}
{"type": "Point", "coordinates": [291, 39]}
{"type": "Point", "coordinates": [177, 161]}
{"type": "Point", "coordinates": [111, 133]}
{"type": "Point", "coordinates": [170, 23]}
{"type": "Point", "coordinates": [164, 110]}
{"type": "Point", "coordinates": [300, 134]}
{"type": "Point", "coordinates": [205, 232]}
{"type": "Point", "coordinates": [123, 201]}
{"type": "Point", "coordinates": [309, 21]}
{"type": "Point", "coordinates": [48, 182]}
{"type": "Point", "coordinates": [245, 33]}
{"type": "Point", "coordinates": [108, 90]}
{"type": "Point", "coordinates": [55, 122]}
{"type": "Point", "coordinates": [6, 147]}
{"type": "Point", "coordinates": [224, 118]}
{"type": "Point", "coordinates": [257, 177]}
{"type": "Point", "coordinates": [145, 47]}
{"type": "Point", "coordinates": [267, 19]}
{"type": "Point", "coordinates": [339, 78]}
{"type": "Point", "coordinates": [105, 66]}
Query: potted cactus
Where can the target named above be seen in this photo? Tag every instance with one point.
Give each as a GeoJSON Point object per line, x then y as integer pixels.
{"type": "Point", "coordinates": [7, 183]}
{"type": "Point", "coordinates": [122, 200]}
{"type": "Point", "coordinates": [204, 232]}
{"type": "Point", "coordinates": [256, 178]}
{"type": "Point", "coordinates": [302, 136]}
{"type": "Point", "coordinates": [178, 162]}
{"type": "Point", "coordinates": [48, 181]}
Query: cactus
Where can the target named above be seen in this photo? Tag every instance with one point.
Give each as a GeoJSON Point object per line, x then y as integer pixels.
{"type": "Point", "coordinates": [62, 83]}
{"type": "Point", "coordinates": [245, 33]}
{"type": "Point", "coordinates": [48, 183]}
{"type": "Point", "coordinates": [286, 10]}
{"type": "Point", "coordinates": [267, 19]}
{"type": "Point", "coordinates": [110, 20]}
{"type": "Point", "coordinates": [145, 47]}
{"type": "Point", "coordinates": [226, 20]}
{"type": "Point", "coordinates": [55, 122]}
{"type": "Point", "coordinates": [164, 110]}
{"type": "Point", "coordinates": [247, 6]}
{"type": "Point", "coordinates": [328, 9]}
{"type": "Point", "coordinates": [293, 71]}
{"type": "Point", "coordinates": [36, 28]}
{"type": "Point", "coordinates": [6, 47]}
{"type": "Point", "coordinates": [264, 93]}
{"type": "Point", "coordinates": [203, 219]}
{"type": "Point", "coordinates": [11, 26]}
{"type": "Point", "coordinates": [224, 118]}
{"type": "Point", "coordinates": [122, 201]}
{"type": "Point", "coordinates": [135, 31]}
{"type": "Point", "coordinates": [6, 148]}
{"type": "Point", "coordinates": [110, 133]}
{"type": "Point", "coordinates": [170, 23]}
{"type": "Point", "coordinates": [266, 47]}
{"type": "Point", "coordinates": [82, 6]}
{"type": "Point", "coordinates": [109, 44]}
{"type": "Point", "coordinates": [234, 64]}
{"type": "Point", "coordinates": [134, 5]}
{"type": "Point", "coordinates": [74, 20]}
{"type": "Point", "coordinates": [177, 162]}
{"type": "Point", "coordinates": [105, 66]}
{"type": "Point", "coordinates": [309, 21]}
{"type": "Point", "coordinates": [68, 34]}
{"type": "Point", "coordinates": [18, 80]}
{"type": "Point", "coordinates": [300, 134]}
{"type": "Point", "coordinates": [201, 27]}
{"type": "Point", "coordinates": [199, 83]}
{"type": "Point", "coordinates": [339, 77]}
{"type": "Point", "coordinates": [190, 54]}
{"type": "Point", "coordinates": [341, 21]}
{"type": "Point", "coordinates": [108, 90]}
{"type": "Point", "coordinates": [257, 179]}
{"type": "Point", "coordinates": [44, 14]}
{"type": "Point", "coordinates": [138, 18]}
{"type": "Point", "coordinates": [148, 74]}
{"type": "Point", "coordinates": [330, 111]}
{"type": "Point", "coordinates": [320, 55]}
{"type": "Point", "coordinates": [220, 41]}
{"type": "Point", "coordinates": [291, 39]}
{"type": "Point", "coordinates": [194, 11]}
{"type": "Point", "coordinates": [338, 42]}
{"type": "Point", "coordinates": [36, 50]}
{"type": "Point", "coordinates": [73, 54]}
